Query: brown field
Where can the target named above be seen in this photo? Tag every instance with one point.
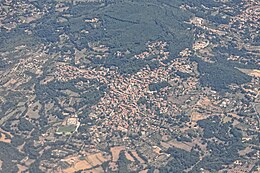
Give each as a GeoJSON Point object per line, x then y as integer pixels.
{"type": "Point", "coordinates": [255, 73]}
{"type": "Point", "coordinates": [129, 157]}
{"type": "Point", "coordinates": [250, 72]}
{"type": "Point", "coordinates": [115, 152]}
{"type": "Point", "coordinates": [96, 159]}
{"type": "Point", "coordinates": [156, 149]}
{"type": "Point", "coordinates": [81, 165]}
{"type": "Point", "coordinates": [234, 115]}
{"type": "Point", "coordinates": [3, 138]}
{"type": "Point", "coordinates": [204, 102]}
{"type": "Point", "coordinates": [21, 168]}
{"type": "Point", "coordinates": [245, 151]}
{"type": "Point", "coordinates": [181, 145]}
{"type": "Point", "coordinates": [89, 162]}
{"type": "Point", "coordinates": [195, 116]}
{"type": "Point", "coordinates": [137, 157]}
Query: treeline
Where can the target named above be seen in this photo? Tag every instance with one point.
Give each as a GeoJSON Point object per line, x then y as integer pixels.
{"type": "Point", "coordinates": [221, 153]}
{"type": "Point", "coordinates": [220, 75]}
{"type": "Point", "coordinates": [223, 141]}
{"type": "Point", "coordinates": [158, 86]}
{"type": "Point", "coordinates": [181, 160]}
{"type": "Point", "coordinates": [8, 154]}
{"type": "Point", "coordinates": [126, 65]}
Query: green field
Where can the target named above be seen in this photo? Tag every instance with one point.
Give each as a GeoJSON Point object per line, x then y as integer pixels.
{"type": "Point", "coordinates": [66, 129]}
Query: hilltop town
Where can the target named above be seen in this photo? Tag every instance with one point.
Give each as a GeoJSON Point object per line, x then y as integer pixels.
{"type": "Point", "coordinates": [100, 86]}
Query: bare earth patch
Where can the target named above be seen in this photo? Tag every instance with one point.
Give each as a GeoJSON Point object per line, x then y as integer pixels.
{"type": "Point", "coordinates": [250, 72]}
{"type": "Point", "coordinates": [129, 157]}
{"type": "Point", "coordinates": [137, 157]}
{"type": "Point", "coordinates": [197, 116]}
{"type": "Point", "coordinates": [115, 152]}
{"type": "Point", "coordinates": [21, 168]}
{"type": "Point", "coordinates": [181, 145]}
{"type": "Point", "coordinates": [81, 165]}
{"type": "Point", "coordinates": [3, 137]}
{"type": "Point", "coordinates": [88, 162]}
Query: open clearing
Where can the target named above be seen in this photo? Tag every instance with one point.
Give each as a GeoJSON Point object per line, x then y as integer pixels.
{"type": "Point", "coordinates": [135, 154]}
{"type": "Point", "coordinates": [129, 157]}
{"type": "Point", "coordinates": [115, 152]}
{"type": "Point", "coordinates": [182, 145]}
{"type": "Point", "coordinates": [250, 72]}
{"type": "Point", "coordinates": [195, 116]}
{"type": "Point", "coordinates": [4, 139]}
{"type": "Point", "coordinates": [88, 162]}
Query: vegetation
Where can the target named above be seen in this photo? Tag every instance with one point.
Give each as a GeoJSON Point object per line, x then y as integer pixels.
{"type": "Point", "coordinates": [220, 75]}
{"type": "Point", "coordinates": [180, 161]}
{"type": "Point", "coordinates": [123, 162]}
{"type": "Point", "coordinates": [9, 153]}
{"type": "Point", "coordinates": [221, 153]}
{"type": "Point", "coordinates": [66, 129]}
{"type": "Point", "coordinates": [158, 86]}
{"type": "Point", "coordinates": [25, 125]}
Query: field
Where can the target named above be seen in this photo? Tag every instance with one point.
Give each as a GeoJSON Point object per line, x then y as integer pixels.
{"type": "Point", "coordinates": [116, 151]}
{"type": "Point", "coordinates": [135, 154]}
{"type": "Point", "coordinates": [195, 116]}
{"type": "Point", "coordinates": [251, 72]}
{"type": "Point", "coordinates": [33, 110]}
{"type": "Point", "coordinates": [3, 137]}
{"type": "Point", "coordinates": [66, 129]}
{"type": "Point", "coordinates": [129, 157]}
{"type": "Point", "coordinates": [89, 162]}
{"type": "Point", "coordinates": [81, 165]}
{"type": "Point", "coordinates": [182, 145]}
